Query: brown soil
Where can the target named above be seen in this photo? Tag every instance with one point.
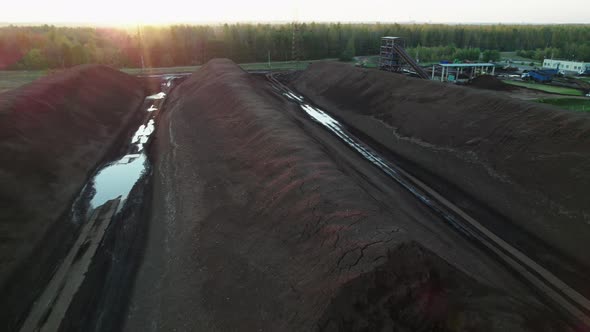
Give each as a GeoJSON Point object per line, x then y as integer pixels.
{"type": "Point", "coordinates": [414, 290]}
{"type": "Point", "coordinates": [489, 82]}
{"type": "Point", "coordinates": [528, 162]}
{"type": "Point", "coordinates": [261, 223]}
{"type": "Point", "coordinates": [53, 133]}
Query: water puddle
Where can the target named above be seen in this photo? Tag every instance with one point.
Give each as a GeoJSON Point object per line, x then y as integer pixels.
{"type": "Point", "coordinates": [116, 179]}
{"type": "Point", "coordinates": [143, 134]}
{"type": "Point", "coordinates": [537, 275]}
{"type": "Point", "coordinates": [340, 130]}
{"type": "Point", "coordinates": [100, 200]}
{"type": "Point", "coordinates": [157, 96]}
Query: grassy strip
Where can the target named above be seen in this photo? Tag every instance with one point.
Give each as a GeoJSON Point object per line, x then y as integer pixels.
{"type": "Point", "coordinates": [276, 65]}
{"type": "Point", "coordinates": [512, 56]}
{"type": "Point", "coordinates": [162, 70]}
{"type": "Point", "coordinates": [282, 65]}
{"type": "Point", "coordinates": [572, 104]}
{"type": "Point", "coordinates": [518, 60]}
{"type": "Point", "coordinates": [547, 88]}
{"type": "Point", "coordinates": [10, 79]}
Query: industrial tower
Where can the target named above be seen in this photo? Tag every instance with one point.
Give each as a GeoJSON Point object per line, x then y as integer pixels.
{"type": "Point", "coordinates": [393, 56]}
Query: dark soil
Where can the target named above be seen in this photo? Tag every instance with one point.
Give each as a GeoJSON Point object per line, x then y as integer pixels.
{"type": "Point", "coordinates": [489, 82]}
{"type": "Point", "coordinates": [528, 162]}
{"type": "Point", "coordinates": [414, 290]}
{"type": "Point", "coordinates": [54, 132]}
{"type": "Point", "coordinates": [257, 226]}
{"type": "Point", "coordinates": [101, 302]}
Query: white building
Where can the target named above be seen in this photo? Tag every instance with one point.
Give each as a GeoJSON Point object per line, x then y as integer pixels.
{"type": "Point", "coordinates": [567, 66]}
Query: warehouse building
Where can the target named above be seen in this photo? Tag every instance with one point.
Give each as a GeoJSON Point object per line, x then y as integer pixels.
{"type": "Point", "coordinates": [567, 66]}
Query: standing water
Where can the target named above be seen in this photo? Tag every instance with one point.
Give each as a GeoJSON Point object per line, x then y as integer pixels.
{"type": "Point", "coordinates": [118, 178]}
{"type": "Point", "coordinates": [105, 194]}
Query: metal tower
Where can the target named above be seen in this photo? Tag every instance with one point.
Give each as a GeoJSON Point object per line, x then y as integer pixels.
{"type": "Point", "coordinates": [393, 56]}
{"type": "Point", "coordinates": [389, 59]}
{"type": "Point", "coordinates": [295, 47]}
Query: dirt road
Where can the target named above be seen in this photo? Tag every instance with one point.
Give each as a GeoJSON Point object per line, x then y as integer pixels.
{"type": "Point", "coordinates": [262, 220]}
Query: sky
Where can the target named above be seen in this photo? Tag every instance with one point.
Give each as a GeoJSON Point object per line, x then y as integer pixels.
{"type": "Point", "coordinates": [130, 12]}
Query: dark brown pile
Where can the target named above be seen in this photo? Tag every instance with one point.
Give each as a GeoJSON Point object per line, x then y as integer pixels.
{"type": "Point", "coordinates": [415, 290]}
{"type": "Point", "coordinates": [257, 226]}
{"type": "Point", "coordinates": [528, 162]}
{"type": "Point", "coordinates": [53, 133]}
{"type": "Point", "coordinates": [489, 82]}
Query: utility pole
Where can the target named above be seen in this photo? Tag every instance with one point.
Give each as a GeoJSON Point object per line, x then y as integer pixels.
{"type": "Point", "coordinates": [295, 45]}
{"type": "Point", "coordinates": [268, 59]}
{"type": "Point", "coordinates": [140, 45]}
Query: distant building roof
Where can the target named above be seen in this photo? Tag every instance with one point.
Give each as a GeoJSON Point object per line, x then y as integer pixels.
{"type": "Point", "coordinates": [485, 64]}
{"type": "Point", "coordinates": [559, 60]}
{"type": "Point", "coordinates": [389, 37]}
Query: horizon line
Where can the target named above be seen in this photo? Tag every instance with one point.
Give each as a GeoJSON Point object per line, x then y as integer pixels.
{"type": "Point", "coordinates": [212, 22]}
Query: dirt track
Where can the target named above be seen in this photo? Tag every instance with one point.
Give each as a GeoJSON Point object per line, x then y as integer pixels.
{"type": "Point", "coordinates": [527, 162]}
{"type": "Point", "coordinates": [263, 221]}
{"type": "Point", "coordinates": [53, 134]}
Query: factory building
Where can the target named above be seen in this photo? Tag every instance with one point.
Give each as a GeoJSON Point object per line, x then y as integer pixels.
{"type": "Point", "coordinates": [567, 66]}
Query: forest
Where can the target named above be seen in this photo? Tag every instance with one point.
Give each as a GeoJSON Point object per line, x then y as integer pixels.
{"type": "Point", "coordinates": [47, 47]}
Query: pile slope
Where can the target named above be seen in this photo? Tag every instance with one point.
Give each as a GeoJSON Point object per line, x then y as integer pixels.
{"type": "Point", "coordinates": [53, 133]}
{"type": "Point", "coordinates": [257, 227]}
{"type": "Point", "coordinates": [528, 162]}
{"type": "Point", "coordinates": [490, 82]}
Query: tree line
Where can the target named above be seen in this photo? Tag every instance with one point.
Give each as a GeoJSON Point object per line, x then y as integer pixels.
{"type": "Point", "coordinates": [42, 47]}
{"type": "Point", "coordinates": [451, 53]}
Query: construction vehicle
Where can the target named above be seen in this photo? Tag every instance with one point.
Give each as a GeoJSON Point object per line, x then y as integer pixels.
{"type": "Point", "coordinates": [541, 75]}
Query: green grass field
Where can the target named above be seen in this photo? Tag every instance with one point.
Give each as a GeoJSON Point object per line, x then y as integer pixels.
{"type": "Point", "coordinates": [572, 104]}
{"type": "Point", "coordinates": [518, 59]}
{"type": "Point", "coordinates": [366, 61]}
{"type": "Point", "coordinates": [547, 88]}
{"type": "Point", "coordinates": [513, 56]}
{"type": "Point", "coordinates": [10, 79]}
{"type": "Point", "coordinates": [277, 65]}
{"type": "Point", "coordinates": [162, 70]}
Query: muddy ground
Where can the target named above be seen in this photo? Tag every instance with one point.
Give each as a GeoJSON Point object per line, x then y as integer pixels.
{"type": "Point", "coordinates": [262, 221]}
{"type": "Point", "coordinates": [489, 82]}
{"type": "Point", "coordinates": [528, 163]}
{"type": "Point", "coordinates": [54, 132]}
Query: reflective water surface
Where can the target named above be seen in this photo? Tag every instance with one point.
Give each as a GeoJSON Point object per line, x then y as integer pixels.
{"type": "Point", "coordinates": [116, 179]}
{"type": "Point", "coordinates": [159, 95]}
{"type": "Point", "coordinates": [340, 130]}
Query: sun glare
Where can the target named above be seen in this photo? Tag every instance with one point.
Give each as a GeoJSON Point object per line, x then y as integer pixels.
{"type": "Point", "coordinates": [123, 12]}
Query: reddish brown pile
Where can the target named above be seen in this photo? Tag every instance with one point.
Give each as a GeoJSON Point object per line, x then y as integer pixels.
{"type": "Point", "coordinates": [53, 133]}
{"type": "Point", "coordinates": [528, 162]}
{"type": "Point", "coordinates": [489, 82]}
{"type": "Point", "coordinates": [257, 224]}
